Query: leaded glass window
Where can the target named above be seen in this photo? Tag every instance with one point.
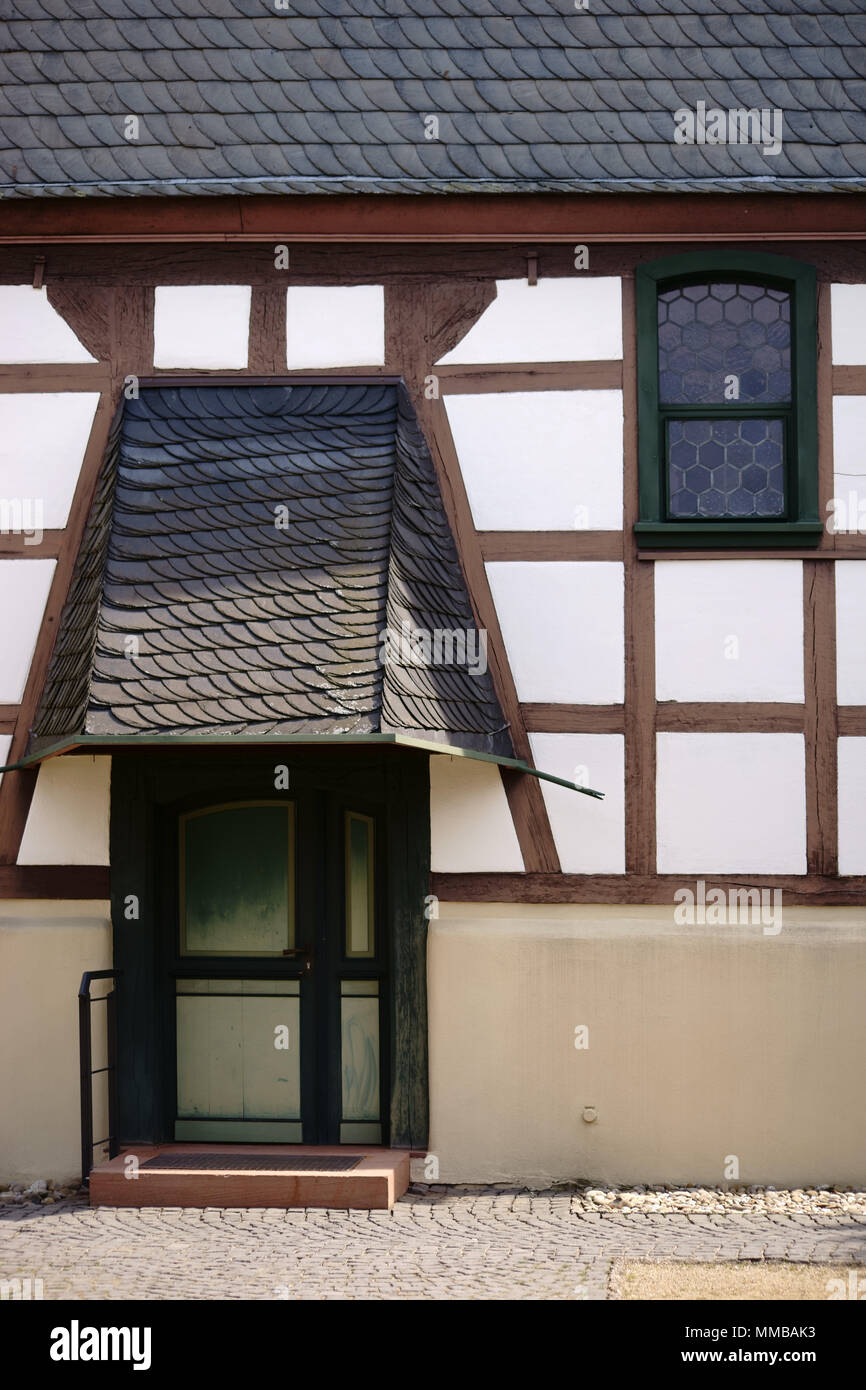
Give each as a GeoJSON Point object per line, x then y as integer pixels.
{"type": "Point", "coordinates": [726, 345]}
{"type": "Point", "coordinates": [727, 410]}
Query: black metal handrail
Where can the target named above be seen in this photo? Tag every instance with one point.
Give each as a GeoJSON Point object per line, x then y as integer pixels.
{"type": "Point", "coordinates": [88, 1144]}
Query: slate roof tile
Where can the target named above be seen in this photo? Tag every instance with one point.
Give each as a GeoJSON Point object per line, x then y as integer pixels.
{"type": "Point", "coordinates": [226, 89]}
{"type": "Point", "coordinates": [245, 627]}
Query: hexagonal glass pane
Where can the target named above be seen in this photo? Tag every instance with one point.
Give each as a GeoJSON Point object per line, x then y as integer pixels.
{"type": "Point", "coordinates": [726, 469]}
{"type": "Point", "coordinates": [725, 342]}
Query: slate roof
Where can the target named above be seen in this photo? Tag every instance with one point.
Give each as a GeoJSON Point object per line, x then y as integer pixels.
{"type": "Point", "coordinates": [235, 96]}
{"type": "Point", "coordinates": [246, 626]}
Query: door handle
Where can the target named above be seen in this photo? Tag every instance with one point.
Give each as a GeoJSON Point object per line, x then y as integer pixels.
{"type": "Point", "coordinates": [306, 953]}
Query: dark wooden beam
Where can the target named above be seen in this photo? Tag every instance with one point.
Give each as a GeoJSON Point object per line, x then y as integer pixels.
{"type": "Point", "coordinates": [845, 547]}
{"type": "Point", "coordinates": [211, 376]}
{"type": "Point", "coordinates": [411, 340]}
{"type": "Point", "coordinates": [458, 380]}
{"type": "Point", "coordinates": [317, 261]}
{"type": "Point", "coordinates": [525, 798]}
{"type": "Point", "coordinates": [849, 381]}
{"type": "Point", "coordinates": [735, 717]}
{"type": "Point", "coordinates": [671, 716]}
{"type": "Point", "coordinates": [16, 795]}
{"type": "Point", "coordinates": [824, 415]}
{"type": "Point", "coordinates": [551, 545]}
{"type": "Point", "coordinates": [819, 638]}
{"type": "Point", "coordinates": [452, 307]}
{"type": "Point", "coordinates": [132, 311]}
{"type": "Point", "coordinates": [54, 880]}
{"type": "Point", "coordinates": [531, 821]}
{"type": "Point", "coordinates": [819, 594]}
{"type": "Point", "coordinates": [542, 219]}
{"type": "Point", "coordinates": [87, 310]}
{"type": "Point", "coordinates": [55, 376]}
{"type": "Point", "coordinates": [640, 662]}
{"type": "Point", "coordinates": [267, 350]}
{"type": "Point", "coordinates": [573, 719]}
{"type": "Point", "coordinates": [851, 720]}
{"type": "Point", "coordinates": [17, 546]}
{"type": "Point", "coordinates": [813, 890]}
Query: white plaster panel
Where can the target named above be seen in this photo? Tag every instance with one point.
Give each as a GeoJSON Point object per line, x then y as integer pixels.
{"type": "Point", "coordinates": [852, 799]}
{"type": "Point", "coordinates": [850, 632]}
{"type": "Point", "coordinates": [24, 586]}
{"type": "Point", "coordinates": [43, 437]}
{"type": "Point", "coordinates": [471, 829]}
{"type": "Point", "coordinates": [849, 436]}
{"type": "Point", "coordinates": [69, 814]}
{"type": "Point", "coordinates": [541, 460]}
{"type": "Point", "coordinates": [5, 745]}
{"type": "Point", "coordinates": [729, 630]}
{"type": "Point", "coordinates": [562, 623]}
{"type": "Point", "coordinates": [31, 330]}
{"type": "Point", "coordinates": [206, 326]}
{"type": "Point", "coordinates": [849, 464]}
{"type": "Point", "coordinates": [589, 834]}
{"type": "Point", "coordinates": [848, 320]}
{"type": "Point", "coordinates": [567, 320]}
{"type": "Point", "coordinates": [335, 326]}
{"type": "Point", "coordinates": [731, 803]}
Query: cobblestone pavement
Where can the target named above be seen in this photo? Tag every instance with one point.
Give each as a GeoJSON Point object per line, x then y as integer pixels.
{"type": "Point", "coordinates": [458, 1243]}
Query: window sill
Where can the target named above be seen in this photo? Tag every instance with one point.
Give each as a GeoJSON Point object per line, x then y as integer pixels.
{"type": "Point", "coordinates": [728, 535]}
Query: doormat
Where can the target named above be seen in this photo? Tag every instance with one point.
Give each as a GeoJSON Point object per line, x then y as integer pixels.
{"type": "Point", "coordinates": [256, 1163]}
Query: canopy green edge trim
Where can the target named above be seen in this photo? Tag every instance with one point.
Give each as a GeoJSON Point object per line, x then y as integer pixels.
{"type": "Point", "coordinates": [47, 749]}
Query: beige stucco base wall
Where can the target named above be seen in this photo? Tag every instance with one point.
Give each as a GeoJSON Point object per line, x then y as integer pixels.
{"type": "Point", "coordinates": [45, 947]}
{"type": "Point", "coordinates": [705, 1042]}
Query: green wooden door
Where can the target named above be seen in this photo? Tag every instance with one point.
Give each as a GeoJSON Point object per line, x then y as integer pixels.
{"type": "Point", "coordinates": [277, 976]}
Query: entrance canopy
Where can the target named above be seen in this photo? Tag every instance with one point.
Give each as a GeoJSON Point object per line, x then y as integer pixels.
{"type": "Point", "coordinates": [270, 560]}
{"type": "Point", "coordinates": [264, 564]}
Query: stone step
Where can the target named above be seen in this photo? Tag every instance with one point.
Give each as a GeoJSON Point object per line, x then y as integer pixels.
{"type": "Point", "coordinates": [251, 1175]}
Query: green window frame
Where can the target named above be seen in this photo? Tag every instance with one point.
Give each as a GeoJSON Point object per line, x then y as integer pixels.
{"type": "Point", "coordinates": [800, 526]}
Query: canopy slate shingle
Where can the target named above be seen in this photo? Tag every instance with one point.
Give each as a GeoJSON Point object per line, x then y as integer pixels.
{"type": "Point", "coordinates": [246, 549]}
{"type": "Point", "coordinates": [235, 96]}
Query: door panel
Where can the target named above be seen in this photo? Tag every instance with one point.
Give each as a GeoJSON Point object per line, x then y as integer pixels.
{"type": "Point", "coordinates": [238, 1053]}
{"type": "Point", "coordinates": [361, 1062]}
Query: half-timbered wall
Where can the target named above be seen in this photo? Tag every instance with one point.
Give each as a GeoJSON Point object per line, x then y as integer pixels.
{"type": "Point", "coordinates": [613, 667]}
{"type": "Point", "coordinates": [610, 665]}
